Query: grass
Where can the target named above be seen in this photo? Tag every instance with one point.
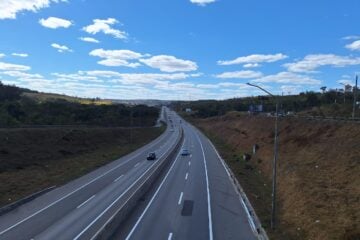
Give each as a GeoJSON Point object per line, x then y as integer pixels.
{"type": "Point", "coordinates": [34, 159]}
{"type": "Point", "coordinates": [318, 181]}
{"type": "Point", "coordinates": [43, 97]}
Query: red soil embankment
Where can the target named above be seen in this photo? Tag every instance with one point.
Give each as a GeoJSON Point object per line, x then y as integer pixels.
{"type": "Point", "coordinates": [318, 174]}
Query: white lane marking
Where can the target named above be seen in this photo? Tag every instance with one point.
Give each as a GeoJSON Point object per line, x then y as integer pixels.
{"type": "Point", "coordinates": [81, 187]}
{"type": "Point", "coordinates": [250, 219]}
{"type": "Point", "coordinates": [189, 163]}
{"type": "Point", "coordinates": [136, 165]}
{"type": "Point", "coordinates": [208, 191]}
{"type": "Point", "coordinates": [85, 201]}
{"type": "Point", "coordinates": [170, 236]}
{"type": "Point", "coordinates": [186, 176]}
{"type": "Point", "coordinates": [113, 203]}
{"type": "Point", "coordinates": [180, 198]}
{"type": "Point", "coordinates": [251, 222]}
{"type": "Point", "coordinates": [190, 155]}
{"type": "Point", "coordinates": [118, 178]}
{"type": "Point", "coordinates": [152, 199]}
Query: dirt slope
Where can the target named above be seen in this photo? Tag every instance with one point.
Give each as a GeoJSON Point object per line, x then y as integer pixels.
{"type": "Point", "coordinates": [318, 177]}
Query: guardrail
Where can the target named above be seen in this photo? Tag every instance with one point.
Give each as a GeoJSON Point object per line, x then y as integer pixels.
{"type": "Point", "coordinates": [121, 214]}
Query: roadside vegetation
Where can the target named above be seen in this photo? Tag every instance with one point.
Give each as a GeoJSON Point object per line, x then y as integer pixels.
{"type": "Point", "coordinates": [318, 172]}
{"type": "Point", "coordinates": [23, 107]}
{"type": "Point", "coordinates": [48, 139]}
{"type": "Point", "coordinates": [330, 103]}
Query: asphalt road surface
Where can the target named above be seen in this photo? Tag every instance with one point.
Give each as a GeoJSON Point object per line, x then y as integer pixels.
{"type": "Point", "coordinates": [80, 208]}
{"type": "Point", "coordinates": [194, 199]}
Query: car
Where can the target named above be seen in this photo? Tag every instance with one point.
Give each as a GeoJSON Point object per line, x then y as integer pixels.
{"type": "Point", "coordinates": [151, 156]}
{"type": "Point", "coordinates": [184, 152]}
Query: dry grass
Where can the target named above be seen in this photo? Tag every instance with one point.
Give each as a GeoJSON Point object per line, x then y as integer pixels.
{"type": "Point", "coordinates": [33, 159]}
{"type": "Point", "coordinates": [318, 177]}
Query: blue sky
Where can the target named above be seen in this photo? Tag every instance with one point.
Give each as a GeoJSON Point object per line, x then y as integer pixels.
{"type": "Point", "coordinates": [178, 49]}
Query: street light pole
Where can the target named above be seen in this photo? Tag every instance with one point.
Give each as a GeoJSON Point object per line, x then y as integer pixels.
{"type": "Point", "coordinates": [355, 95]}
{"type": "Point", "coordinates": [276, 149]}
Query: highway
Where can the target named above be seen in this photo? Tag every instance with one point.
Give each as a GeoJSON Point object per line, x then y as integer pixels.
{"type": "Point", "coordinates": [80, 208]}
{"type": "Point", "coordinates": [194, 198]}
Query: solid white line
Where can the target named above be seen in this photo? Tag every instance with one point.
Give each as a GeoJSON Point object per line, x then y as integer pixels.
{"type": "Point", "coordinates": [103, 212]}
{"type": "Point", "coordinates": [152, 199]}
{"type": "Point", "coordinates": [79, 188]}
{"type": "Point", "coordinates": [208, 191]}
{"type": "Point", "coordinates": [186, 176]}
{"type": "Point", "coordinates": [85, 201]}
{"type": "Point", "coordinates": [180, 198]}
{"type": "Point", "coordinates": [250, 219]}
{"type": "Point", "coordinates": [170, 236]}
{"type": "Point", "coordinates": [252, 224]}
{"type": "Point", "coordinates": [118, 178]}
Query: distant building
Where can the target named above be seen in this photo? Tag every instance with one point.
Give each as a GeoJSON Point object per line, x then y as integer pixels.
{"type": "Point", "coordinates": [188, 110]}
{"type": "Point", "coordinates": [256, 108]}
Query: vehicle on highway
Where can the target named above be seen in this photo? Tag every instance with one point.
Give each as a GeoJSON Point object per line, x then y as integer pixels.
{"type": "Point", "coordinates": [151, 156]}
{"type": "Point", "coordinates": [185, 152]}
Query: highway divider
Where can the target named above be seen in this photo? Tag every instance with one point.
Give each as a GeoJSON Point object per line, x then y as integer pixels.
{"type": "Point", "coordinates": [113, 223]}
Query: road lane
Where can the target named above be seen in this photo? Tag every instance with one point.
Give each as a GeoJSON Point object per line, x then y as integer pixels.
{"type": "Point", "coordinates": [42, 213]}
{"type": "Point", "coordinates": [164, 214]}
{"type": "Point", "coordinates": [210, 207]}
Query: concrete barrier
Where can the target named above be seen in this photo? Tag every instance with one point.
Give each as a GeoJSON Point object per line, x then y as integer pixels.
{"type": "Point", "coordinates": [121, 214]}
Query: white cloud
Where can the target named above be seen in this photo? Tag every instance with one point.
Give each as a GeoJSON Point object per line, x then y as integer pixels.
{"type": "Point", "coordinates": [104, 26]}
{"type": "Point", "coordinates": [352, 37]}
{"type": "Point", "coordinates": [354, 46]}
{"type": "Point", "coordinates": [255, 58]}
{"type": "Point", "coordinates": [290, 89]}
{"type": "Point", "coordinates": [54, 22]}
{"type": "Point", "coordinates": [170, 64]}
{"type": "Point", "coordinates": [61, 48]}
{"type": "Point", "coordinates": [13, 67]}
{"type": "Point", "coordinates": [207, 86]}
{"type": "Point", "coordinates": [2, 55]}
{"type": "Point", "coordinates": [345, 81]}
{"type": "Point", "coordinates": [288, 78]}
{"type": "Point", "coordinates": [24, 55]}
{"type": "Point", "coordinates": [314, 61]}
{"type": "Point", "coordinates": [202, 2]}
{"type": "Point", "coordinates": [21, 75]}
{"type": "Point", "coordinates": [240, 74]}
{"type": "Point", "coordinates": [124, 78]}
{"type": "Point", "coordinates": [114, 58]}
{"type": "Point", "coordinates": [89, 39]}
{"type": "Point", "coordinates": [251, 65]}
{"type": "Point", "coordinates": [9, 8]}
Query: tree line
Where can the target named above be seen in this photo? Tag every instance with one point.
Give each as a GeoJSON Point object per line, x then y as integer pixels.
{"type": "Point", "coordinates": [16, 109]}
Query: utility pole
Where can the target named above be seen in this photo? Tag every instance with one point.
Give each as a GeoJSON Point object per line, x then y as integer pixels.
{"type": "Point", "coordinates": [274, 165]}
{"type": "Point", "coordinates": [355, 96]}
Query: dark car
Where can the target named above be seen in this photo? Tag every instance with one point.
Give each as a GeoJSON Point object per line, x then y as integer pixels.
{"type": "Point", "coordinates": [151, 156]}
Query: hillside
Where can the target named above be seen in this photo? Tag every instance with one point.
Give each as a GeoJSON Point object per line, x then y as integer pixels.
{"type": "Point", "coordinates": [22, 107]}
{"type": "Point", "coordinates": [50, 139]}
{"type": "Point", "coordinates": [318, 176]}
